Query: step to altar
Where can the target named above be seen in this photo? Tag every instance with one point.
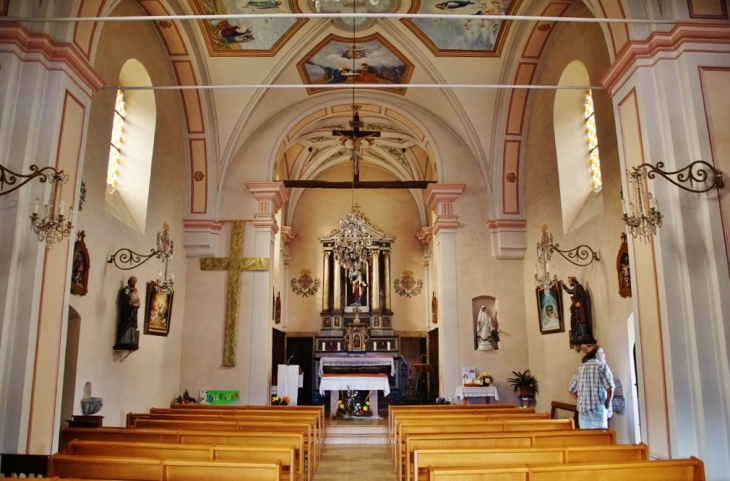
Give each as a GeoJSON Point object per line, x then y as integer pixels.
{"type": "Point", "coordinates": [356, 432]}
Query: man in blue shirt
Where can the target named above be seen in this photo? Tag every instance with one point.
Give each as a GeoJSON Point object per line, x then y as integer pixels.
{"type": "Point", "coordinates": [592, 387]}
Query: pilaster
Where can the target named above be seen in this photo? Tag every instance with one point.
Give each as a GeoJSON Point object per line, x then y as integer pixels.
{"type": "Point", "coordinates": [440, 198]}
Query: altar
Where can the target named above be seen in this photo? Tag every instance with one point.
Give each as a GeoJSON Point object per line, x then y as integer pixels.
{"type": "Point", "coordinates": [353, 381]}
{"type": "Point", "coordinates": [487, 392]}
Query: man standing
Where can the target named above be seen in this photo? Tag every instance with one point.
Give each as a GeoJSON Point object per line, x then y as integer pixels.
{"type": "Point", "coordinates": [592, 388]}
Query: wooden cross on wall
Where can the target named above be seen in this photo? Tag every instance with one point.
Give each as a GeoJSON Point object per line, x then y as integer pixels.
{"type": "Point", "coordinates": [234, 265]}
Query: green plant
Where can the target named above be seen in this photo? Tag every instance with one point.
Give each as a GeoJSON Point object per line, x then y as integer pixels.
{"type": "Point", "coordinates": [524, 383]}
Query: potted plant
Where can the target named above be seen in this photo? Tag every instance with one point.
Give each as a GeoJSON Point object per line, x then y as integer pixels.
{"type": "Point", "coordinates": [524, 383]}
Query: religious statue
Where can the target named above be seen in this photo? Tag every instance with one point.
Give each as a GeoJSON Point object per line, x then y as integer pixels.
{"type": "Point", "coordinates": [486, 326]}
{"type": "Point", "coordinates": [128, 305]}
{"type": "Point", "coordinates": [357, 288]}
{"type": "Point", "coordinates": [580, 313]}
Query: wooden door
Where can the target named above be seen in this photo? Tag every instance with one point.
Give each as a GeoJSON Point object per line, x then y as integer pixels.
{"type": "Point", "coordinates": [433, 360]}
{"type": "Point", "coordinates": [300, 351]}
{"type": "Point", "coordinates": [278, 352]}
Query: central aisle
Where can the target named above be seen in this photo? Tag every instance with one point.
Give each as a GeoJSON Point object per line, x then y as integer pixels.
{"type": "Point", "coordinates": [355, 462]}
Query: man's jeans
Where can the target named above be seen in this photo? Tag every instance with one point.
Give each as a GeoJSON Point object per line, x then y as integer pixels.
{"type": "Point", "coordinates": [597, 419]}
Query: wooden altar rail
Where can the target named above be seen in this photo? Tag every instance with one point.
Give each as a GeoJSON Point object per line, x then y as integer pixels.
{"type": "Point", "coordinates": [446, 426]}
{"type": "Point", "coordinates": [141, 469]}
{"type": "Point", "coordinates": [181, 436]}
{"type": "Point", "coordinates": [249, 416]}
{"type": "Point", "coordinates": [240, 454]}
{"type": "Point", "coordinates": [574, 437]}
{"type": "Point", "coordinates": [481, 412]}
{"type": "Point", "coordinates": [466, 457]}
{"type": "Point", "coordinates": [691, 469]}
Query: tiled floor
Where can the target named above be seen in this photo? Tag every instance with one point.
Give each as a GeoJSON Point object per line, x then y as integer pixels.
{"type": "Point", "coordinates": [354, 462]}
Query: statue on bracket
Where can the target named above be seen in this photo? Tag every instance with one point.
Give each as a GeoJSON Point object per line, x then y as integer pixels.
{"type": "Point", "coordinates": [127, 304]}
{"type": "Point", "coordinates": [80, 269]}
{"type": "Point", "coordinates": [581, 325]}
{"type": "Point", "coordinates": [623, 268]}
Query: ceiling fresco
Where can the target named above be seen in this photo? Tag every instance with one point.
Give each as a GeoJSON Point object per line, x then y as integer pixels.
{"type": "Point", "coordinates": [457, 36]}
{"type": "Point", "coordinates": [245, 36]}
{"type": "Point", "coordinates": [367, 60]}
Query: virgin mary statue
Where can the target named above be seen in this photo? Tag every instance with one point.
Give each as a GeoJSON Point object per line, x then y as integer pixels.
{"type": "Point", "coordinates": [484, 330]}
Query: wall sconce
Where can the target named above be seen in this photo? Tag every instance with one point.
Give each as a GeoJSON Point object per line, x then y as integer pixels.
{"type": "Point", "coordinates": [642, 214]}
{"type": "Point", "coordinates": [163, 252]}
{"type": "Point", "coordinates": [582, 256]}
{"type": "Point", "coordinates": [52, 226]}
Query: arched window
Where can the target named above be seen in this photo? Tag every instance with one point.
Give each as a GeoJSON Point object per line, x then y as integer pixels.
{"type": "Point", "coordinates": [130, 153]}
{"type": "Point", "coordinates": [115, 149]}
{"type": "Point", "coordinates": [580, 179]}
{"type": "Point", "coordinates": [594, 158]}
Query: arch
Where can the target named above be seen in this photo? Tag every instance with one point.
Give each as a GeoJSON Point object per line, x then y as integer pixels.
{"type": "Point", "coordinates": [127, 201]}
{"type": "Point", "coordinates": [578, 199]}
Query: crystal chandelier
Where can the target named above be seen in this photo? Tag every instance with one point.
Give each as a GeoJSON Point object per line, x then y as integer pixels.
{"type": "Point", "coordinates": [352, 241]}
{"type": "Point", "coordinates": [642, 215]}
{"type": "Point", "coordinates": [165, 284]}
{"type": "Point", "coordinates": [51, 226]}
{"type": "Point", "coordinates": [544, 253]}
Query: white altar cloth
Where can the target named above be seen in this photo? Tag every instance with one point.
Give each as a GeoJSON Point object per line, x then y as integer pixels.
{"type": "Point", "coordinates": [288, 382]}
{"type": "Point", "coordinates": [479, 391]}
{"type": "Point", "coordinates": [344, 382]}
{"type": "Point", "coordinates": [355, 362]}
{"type": "Point", "coordinates": [334, 383]}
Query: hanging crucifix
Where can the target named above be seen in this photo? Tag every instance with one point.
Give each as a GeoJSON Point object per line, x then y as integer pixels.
{"type": "Point", "coordinates": [356, 139]}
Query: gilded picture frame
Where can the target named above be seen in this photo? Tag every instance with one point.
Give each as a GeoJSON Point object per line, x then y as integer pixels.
{"type": "Point", "coordinates": [158, 311]}
{"type": "Point", "coordinates": [550, 309]}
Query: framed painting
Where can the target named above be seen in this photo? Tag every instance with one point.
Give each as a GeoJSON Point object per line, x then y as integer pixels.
{"type": "Point", "coordinates": [158, 311]}
{"type": "Point", "coordinates": [550, 309]}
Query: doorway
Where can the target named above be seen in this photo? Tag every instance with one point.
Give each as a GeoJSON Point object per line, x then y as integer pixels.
{"type": "Point", "coordinates": [73, 332]}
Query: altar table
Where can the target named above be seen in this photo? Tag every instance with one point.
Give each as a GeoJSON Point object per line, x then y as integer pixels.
{"type": "Point", "coordinates": [463, 392]}
{"type": "Point", "coordinates": [358, 361]}
{"type": "Point", "coordinates": [356, 382]}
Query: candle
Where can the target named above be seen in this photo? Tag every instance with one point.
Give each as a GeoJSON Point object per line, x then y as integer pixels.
{"type": "Point", "coordinates": [35, 206]}
{"type": "Point", "coordinates": [375, 345]}
{"type": "Point", "coordinates": [338, 346]}
{"type": "Point", "coordinates": [389, 345]}
{"type": "Point", "coordinates": [70, 214]}
{"type": "Point", "coordinates": [323, 345]}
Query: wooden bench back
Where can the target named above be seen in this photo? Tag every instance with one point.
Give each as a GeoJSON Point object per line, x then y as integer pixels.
{"type": "Point", "coordinates": [574, 437]}
{"type": "Point", "coordinates": [244, 454]}
{"type": "Point", "coordinates": [439, 458]}
{"type": "Point", "coordinates": [690, 469]}
{"type": "Point", "coordinates": [236, 438]}
{"type": "Point", "coordinates": [143, 469]}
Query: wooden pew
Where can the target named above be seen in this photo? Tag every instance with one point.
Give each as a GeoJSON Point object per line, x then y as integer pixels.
{"type": "Point", "coordinates": [461, 417]}
{"type": "Point", "coordinates": [143, 469]}
{"type": "Point", "coordinates": [574, 437]}
{"type": "Point", "coordinates": [433, 412]}
{"type": "Point", "coordinates": [285, 456]}
{"type": "Point", "coordinates": [319, 410]}
{"type": "Point", "coordinates": [691, 469]}
{"type": "Point", "coordinates": [236, 438]}
{"type": "Point", "coordinates": [441, 458]}
{"type": "Point", "coordinates": [249, 411]}
{"type": "Point", "coordinates": [311, 445]}
{"type": "Point", "coordinates": [252, 416]}
{"type": "Point", "coordinates": [445, 426]}
{"type": "Point", "coordinates": [437, 409]}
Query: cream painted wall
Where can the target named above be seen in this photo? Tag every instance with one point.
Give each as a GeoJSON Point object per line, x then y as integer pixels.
{"type": "Point", "coordinates": [149, 376]}
{"type": "Point", "coordinates": [551, 359]}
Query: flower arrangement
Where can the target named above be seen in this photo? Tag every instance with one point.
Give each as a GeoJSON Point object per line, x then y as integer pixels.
{"type": "Point", "coordinates": [280, 401]}
{"type": "Point", "coordinates": [352, 405]}
{"type": "Point", "coordinates": [486, 378]}
{"type": "Point", "coordinates": [444, 400]}
{"type": "Point", "coordinates": [185, 399]}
